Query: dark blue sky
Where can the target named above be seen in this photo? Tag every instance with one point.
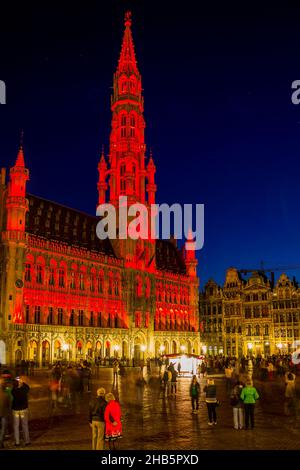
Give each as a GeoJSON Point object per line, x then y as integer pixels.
{"type": "Point", "coordinates": [217, 88]}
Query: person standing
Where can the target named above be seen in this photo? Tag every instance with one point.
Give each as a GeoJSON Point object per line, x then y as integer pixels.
{"type": "Point", "coordinates": [112, 418]}
{"type": "Point", "coordinates": [290, 404]}
{"type": "Point", "coordinates": [237, 405]}
{"type": "Point", "coordinates": [228, 377]}
{"type": "Point", "coordinates": [194, 394]}
{"type": "Point", "coordinates": [174, 381]}
{"type": "Point", "coordinates": [249, 395]}
{"type": "Point", "coordinates": [211, 401]}
{"type": "Point", "coordinates": [96, 419]}
{"type": "Point", "coordinates": [20, 410]}
{"type": "Point", "coordinates": [4, 412]}
{"type": "Point", "coordinates": [115, 371]}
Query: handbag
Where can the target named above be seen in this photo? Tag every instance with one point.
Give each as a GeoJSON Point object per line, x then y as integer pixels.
{"type": "Point", "coordinates": [218, 403]}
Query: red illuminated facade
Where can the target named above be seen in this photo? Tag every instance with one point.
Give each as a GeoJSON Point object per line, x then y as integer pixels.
{"type": "Point", "coordinates": [65, 294]}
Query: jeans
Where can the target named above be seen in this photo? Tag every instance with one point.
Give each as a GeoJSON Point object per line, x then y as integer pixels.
{"type": "Point", "coordinates": [212, 416]}
{"type": "Point", "coordinates": [238, 418]}
{"type": "Point", "coordinates": [249, 415]}
{"type": "Point", "coordinates": [98, 428]}
{"type": "Point", "coordinates": [195, 403]}
{"type": "Point", "coordinates": [23, 416]}
{"type": "Point", "coordinates": [3, 421]}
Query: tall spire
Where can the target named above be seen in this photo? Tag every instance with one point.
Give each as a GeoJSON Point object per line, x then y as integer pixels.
{"type": "Point", "coordinates": [127, 60]}
{"type": "Point", "coordinates": [20, 157]}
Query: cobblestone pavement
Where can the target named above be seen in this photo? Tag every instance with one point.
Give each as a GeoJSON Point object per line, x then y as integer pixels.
{"type": "Point", "coordinates": [154, 422]}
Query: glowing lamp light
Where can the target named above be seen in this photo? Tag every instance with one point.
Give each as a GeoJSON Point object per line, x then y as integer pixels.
{"type": "Point", "coordinates": [279, 346]}
{"type": "Point", "coordinates": [204, 349]}
{"type": "Point", "coordinates": [183, 348]}
{"type": "Point", "coordinates": [116, 348]}
{"type": "Point", "coordinates": [267, 343]}
{"type": "Point", "coordinates": [65, 347]}
{"type": "Point", "coordinates": [143, 348]}
{"type": "Point", "coordinates": [250, 345]}
{"type": "Point", "coordinates": [162, 348]}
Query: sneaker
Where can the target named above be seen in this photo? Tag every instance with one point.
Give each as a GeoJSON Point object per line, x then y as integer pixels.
{"type": "Point", "coordinates": [215, 422]}
{"type": "Point", "coordinates": [210, 424]}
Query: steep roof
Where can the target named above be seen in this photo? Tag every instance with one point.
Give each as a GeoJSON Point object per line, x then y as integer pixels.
{"type": "Point", "coordinates": [57, 222]}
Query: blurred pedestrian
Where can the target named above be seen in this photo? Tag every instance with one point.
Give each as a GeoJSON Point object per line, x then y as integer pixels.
{"type": "Point", "coordinates": [237, 405]}
{"type": "Point", "coordinates": [20, 410]}
{"type": "Point", "coordinates": [211, 401]}
{"type": "Point", "coordinates": [4, 411]}
{"type": "Point", "coordinates": [290, 402]}
{"type": "Point", "coordinates": [195, 394]}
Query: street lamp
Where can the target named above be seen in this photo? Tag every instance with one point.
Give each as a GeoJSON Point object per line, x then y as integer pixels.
{"type": "Point", "coordinates": [116, 349]}
{"type": "Point", "coordinates": [162, 348]}
{"type": "Point", "coordinates": [250, 346]}
{"type": "Point", "coordinates": [183, 348]}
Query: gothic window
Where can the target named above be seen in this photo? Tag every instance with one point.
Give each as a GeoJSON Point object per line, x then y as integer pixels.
{"type": "Point", "coordinates": [91, 322]}
{"type": "Point", "coordinates": [137, 320]}
{"type": "Point", "coordinates": [257, 332]}
{"type": "Point", "coordinates": [117, 292]}
{"type": "Point", "coordinates": [60, 314]}
{"type": "Point", "coordinates": [80, 318]}
{"type": "Point", "coordinates": [37, 314]}
{"type": "Point", "coordinates": [99, 319]}
{"type": "Point", "coordinates": [72, 315]}
{"type": "Point", "coordinates": [255, 297]}
{"type": "Point", "coordinates": [110, 284]}
{"type": "Point", "coordinates": [248, 312]}
{"type": "Point", "coordinates": [72, 283]}
{"type": "Point", "coordinates": [28, 272]}
{"type": "Point", "coordinates": [248, 330]}
{"type": "Point", "coordinates": [100, 284]}
{"type": "Point", "coordinates": [61, 277]}
{"type": "Point", "coordinates": [81, 281]}
{"type": "Point", "coordinates": [27, 313]}
{"type": "Point", "coordinates": [39, 274]}
{"type": "Point", "coordinates": [122, 177]}
{"type": "Point", "coordinates": [256, 312]}
{"type": "Point", "coordinates": [132, 121]}
{"type": "Point", "coordinates": [50, 316]}
{"type": "Point", "coordinates": [51, 277]}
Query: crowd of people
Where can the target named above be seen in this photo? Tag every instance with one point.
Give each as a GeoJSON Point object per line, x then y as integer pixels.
{"type": "Point", "coordinates": [70, 385]}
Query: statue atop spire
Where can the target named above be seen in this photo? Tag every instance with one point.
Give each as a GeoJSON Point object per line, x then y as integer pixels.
{"type": "Point", "coordinates": [127, 19]}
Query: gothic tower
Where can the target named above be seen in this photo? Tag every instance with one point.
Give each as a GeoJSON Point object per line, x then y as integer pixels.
{"type": "Point", "coordinates": [14, 243]}
{"type": "Point", "coordinates": [126, 174]}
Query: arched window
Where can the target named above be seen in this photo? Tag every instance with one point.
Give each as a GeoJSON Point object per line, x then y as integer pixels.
{"type": "Point", "coordinates": [28, 269]}
{"type": "Point", "coordinates": [91, 322]}
{"type": "Point", "coordinates": [39, 274]}
{"type": "Point", "coordinates": [122, 177]}
{"type": "Point", "coordinates": [50, 316]}
{"type": "Point", "coordinates": [72, 315]}
{"type": "Point", "coordinates": [60, 314]}
{"type": "Point", "coordinates": [266, 330]}
{"type": "Point", "coordinates": [257, 332]}
{"type": "Point", "coordinates": [80, 318]}
{"type": "Point", "coordinates": [37, 314]}
{"type": "Point", "coordinates": [99, 319]}
{"type": "Point", "coordinates": [61, 277]}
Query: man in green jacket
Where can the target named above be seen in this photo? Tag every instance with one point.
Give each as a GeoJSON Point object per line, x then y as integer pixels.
{"type": "Point", "coordinates": [249, 396]}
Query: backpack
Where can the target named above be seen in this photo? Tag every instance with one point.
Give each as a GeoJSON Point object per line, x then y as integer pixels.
{"type": "Point", "coordinates": [235, 395]}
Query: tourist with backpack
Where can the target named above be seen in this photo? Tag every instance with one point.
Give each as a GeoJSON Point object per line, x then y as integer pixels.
{"type": "Point", "coordinates": [237, 405]}
{"type": "Point", "coordinates": [96, 419]}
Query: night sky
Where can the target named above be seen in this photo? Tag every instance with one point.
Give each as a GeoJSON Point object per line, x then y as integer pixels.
{"type": "Point", "coordinates": [218, 110]}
